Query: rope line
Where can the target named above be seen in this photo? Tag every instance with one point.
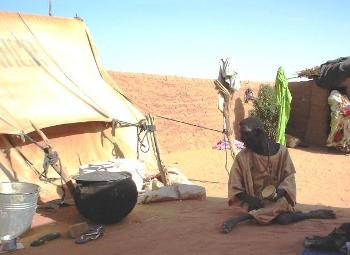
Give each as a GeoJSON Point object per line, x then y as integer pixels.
{"type": "Point", "coordinates": [171, 119]}
{"type": "Point", "coordinates": [213, 182]}
{"type": "Point", "coordinates": [226, 160]}
{"type": "Point", "coordinates": [50, 158]}
{"type": "Point", "coordinates": [190, 124]}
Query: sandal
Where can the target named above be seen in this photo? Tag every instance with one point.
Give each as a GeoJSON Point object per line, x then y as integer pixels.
{"type": "Point", "coordinates": [93, 234]}
{"type": "Point", "coordinates": [43, 239]}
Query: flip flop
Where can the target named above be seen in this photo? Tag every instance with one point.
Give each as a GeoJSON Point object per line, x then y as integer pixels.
{"type": "Point", "coordinates": [43, 239]}
{"type": "Point", "coordinates": [93, 234]}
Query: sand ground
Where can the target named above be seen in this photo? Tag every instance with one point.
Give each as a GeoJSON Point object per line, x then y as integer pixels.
{"type": "Point", "coordinates": [192, 227]}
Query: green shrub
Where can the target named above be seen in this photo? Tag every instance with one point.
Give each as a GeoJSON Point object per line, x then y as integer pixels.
{"type": "Point", "coordinates": [265, 109]}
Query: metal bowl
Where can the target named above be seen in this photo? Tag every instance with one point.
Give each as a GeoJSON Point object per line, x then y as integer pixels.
{"type": "Point", "coordinates": [268, 192]}
{"type": "Point", "coordinates": [18, 202]}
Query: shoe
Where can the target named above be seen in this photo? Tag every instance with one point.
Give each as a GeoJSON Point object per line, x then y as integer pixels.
{"type": "Point", "coordinates": [43, 239]}
{"type": "Point", "coordinates": [93, 234]}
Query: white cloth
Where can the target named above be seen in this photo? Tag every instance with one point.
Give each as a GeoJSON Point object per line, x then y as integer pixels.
{"type": "Point", "coordinates": [229, 74]}
{"type": "Point", "coordinates": [173, 192]}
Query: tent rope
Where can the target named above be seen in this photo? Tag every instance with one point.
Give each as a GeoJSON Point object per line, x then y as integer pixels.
{"type": "Point", "coordinates": [147, 128]}
{"type": "Point", "coordinates": [47, 158]}
{"type": "Point", "coordinates": [141, 126]}
{"type": "Point", "coordinates": [119, 123]}
{"type": "Point", "coordinates": [50, 158]}
{"type": "Point", "coordinates": [190, 124]}
{"type": "Point", "coordinates": [179, 121]}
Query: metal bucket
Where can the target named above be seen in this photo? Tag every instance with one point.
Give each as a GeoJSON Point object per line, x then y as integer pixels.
{"type": "Point", "coordinates": [18, 202]}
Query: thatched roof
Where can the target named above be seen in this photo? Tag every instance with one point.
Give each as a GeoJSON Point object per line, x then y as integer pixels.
{"type": "Point", "coordinates": [309, 73]}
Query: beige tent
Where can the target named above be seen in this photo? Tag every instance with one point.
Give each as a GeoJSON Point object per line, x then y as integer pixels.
{"type": "Point", "coordinates": [50, 75]}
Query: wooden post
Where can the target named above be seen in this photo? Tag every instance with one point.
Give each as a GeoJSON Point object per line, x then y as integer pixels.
{"type": "Point", "coordinates": [162, 170]}
{"type": "Point", "coordinates": [227, 113]}
{"type": "Point", "coordinates": [63, 173]}
{"type": "Point", "coordinates": [229, 130]}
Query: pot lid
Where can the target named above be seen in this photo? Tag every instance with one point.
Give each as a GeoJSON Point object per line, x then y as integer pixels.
{"type": "Point", "coordinates": [102, 176]}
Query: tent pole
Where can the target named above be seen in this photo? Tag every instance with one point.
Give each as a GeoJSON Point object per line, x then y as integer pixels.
{"type": "Point", "coordinates": [162, 170]}
{"type": "Point", "coordinates": [50, 8]}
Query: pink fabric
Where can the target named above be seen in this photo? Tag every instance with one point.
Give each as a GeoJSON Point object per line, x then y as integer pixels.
{"type": "Point", "coordinates": [223, 144]}
{"type": "Point", "coordinates": [346, 111]}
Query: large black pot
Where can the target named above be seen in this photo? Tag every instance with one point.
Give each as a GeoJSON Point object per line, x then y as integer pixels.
{"type": "Point", "coordinates": [105, 197]}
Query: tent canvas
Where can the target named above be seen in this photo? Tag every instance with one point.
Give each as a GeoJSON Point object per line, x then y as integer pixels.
{"type": "Point", "coordinates": [50, 75]}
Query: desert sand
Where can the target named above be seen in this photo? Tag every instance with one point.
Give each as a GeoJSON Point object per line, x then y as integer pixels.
{"type": "Point", "coordinates": [192, 227]}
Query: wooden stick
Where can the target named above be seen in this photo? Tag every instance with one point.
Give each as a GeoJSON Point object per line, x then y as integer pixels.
{"type": "Point", "coordinates": [222, 88]}
{"type": "Point", "coordinates": [57, 166]}
{"type": "Point", "coordinates": [41, 133]}
{"type": "Point", "coordinates": [227, 113]}
{"type": "Point", "coordinates": [229, 131]}
{"type": "Point", "coordinates": [162, 170]}
{"type": "Point", "coordinates": [63, 173]}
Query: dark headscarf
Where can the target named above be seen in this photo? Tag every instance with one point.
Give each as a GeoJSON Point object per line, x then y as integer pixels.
{"type": "Point", "coordinates": [254, 137]}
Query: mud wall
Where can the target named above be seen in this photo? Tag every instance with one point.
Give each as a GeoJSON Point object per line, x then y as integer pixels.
{"type": "Point", "coordinates": [185, 99]}
{"type": "Point", "coordinates": [196, 101]}
{"type": "Point", "coordinates": [309, 113]}
{"type": "Point", "coordinates": [299, 115]}
{"type": "Point", "coordinates": [310, 116]}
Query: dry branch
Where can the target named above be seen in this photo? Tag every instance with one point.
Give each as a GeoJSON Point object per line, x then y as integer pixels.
{"type": "Point", "coordinates": [309, 72]}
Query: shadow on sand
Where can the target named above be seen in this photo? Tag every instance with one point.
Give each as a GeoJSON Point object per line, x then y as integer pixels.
{"type": "Point", "coordinates": [182, 227]}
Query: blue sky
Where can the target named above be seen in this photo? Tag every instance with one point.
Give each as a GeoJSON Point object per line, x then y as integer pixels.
{"type": "Point", "coordinates": [188, 37]}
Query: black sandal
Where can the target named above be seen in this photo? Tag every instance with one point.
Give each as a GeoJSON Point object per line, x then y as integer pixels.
{"type": "Point", "coordinates": [43, 239]}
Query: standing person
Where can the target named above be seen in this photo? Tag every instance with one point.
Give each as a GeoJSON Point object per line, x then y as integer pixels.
{"type": "Point", "coordinates": [339, 136]}
{"type": "Point", "coordinates": [262, 181]}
